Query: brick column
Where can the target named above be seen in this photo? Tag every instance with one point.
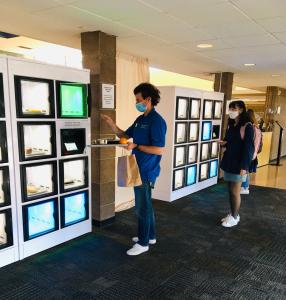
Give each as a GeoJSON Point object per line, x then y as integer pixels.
{"type": "Point", "coordinates": [99, 55]}
{"type": "Point", "coordinates": [223, 84]}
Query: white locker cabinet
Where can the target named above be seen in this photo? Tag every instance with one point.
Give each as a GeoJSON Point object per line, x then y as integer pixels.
{"type": "Point", "coordinates": [190, 161]}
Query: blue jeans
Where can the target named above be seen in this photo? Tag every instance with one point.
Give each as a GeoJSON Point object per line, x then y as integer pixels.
{"type": "Point", "coordinates": [245, 184]}
{"type": "Point", "coordinates": [145, 213]}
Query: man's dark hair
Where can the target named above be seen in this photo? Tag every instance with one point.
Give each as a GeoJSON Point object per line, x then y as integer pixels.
{"type": "Point", "coordinates": [148, 90]}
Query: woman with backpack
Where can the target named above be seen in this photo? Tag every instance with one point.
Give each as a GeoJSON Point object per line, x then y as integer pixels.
{"type": "Point", "coordinates": [237, 157]}
{"type": "Point", "coordinates": [257, 140]}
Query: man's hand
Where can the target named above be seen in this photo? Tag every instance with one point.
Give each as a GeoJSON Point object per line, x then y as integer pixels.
{"type": "Point", "coordinates": [222, 143]}
{"type": "Point", "coordinates": [131, 146]}
{"type": "Point", "coordinates": [242, 172]}
{"type": "Point", "coordinates": [107, 119]}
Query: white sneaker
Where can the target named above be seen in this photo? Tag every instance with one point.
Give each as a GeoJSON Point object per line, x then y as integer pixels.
{"type": "Point", "coordinates": [151, 242]}
{"type": "Point", "coordinates": [227, 216]}
{"type": "Point", "coordinates": [230, 222]}
{"type": "Point", "coordinates": [137, 249]}
{"type": "Point", "coordinates": [244, 191]}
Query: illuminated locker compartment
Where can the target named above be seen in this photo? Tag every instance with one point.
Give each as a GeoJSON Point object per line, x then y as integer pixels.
{"type": "Point", "coordinates": [208, 110]}
{"type": "Point", "coordinates": [206, 131]}
{"type": "Point", "coordinates": [191, 175]}
{"type": "Point", "coordinates": [216, 132]}
{"type": "Point", "coordinates": [195, 109]}
{"type": "Point", "coordinates": [73, 141]}
{"type": "Point", "coordinates": [36, 140]}
{"type": "Point", "coordinates": [214, 149]}
{"type": "Point", "coordinates": [179, 156]}
{"type": "Point", "coordinates": [205, 151]}
{"type": "Point", "coordinates": [5, 199]}
{"type": "Point", "coordinates": [181, 133]}
{"type": "Point", "coordinates": [34, 97]}
{"type": "Point", "coordinates": [39, 180]}
{"type": "Point", "coordinates": [178, 179]}
{"type": "Point", "coordinates": [213, 168]}
{"type": "Point", "coordinates": [192, 154]}
{"type": "Point", "coordinates": [40, 218]}
{"type": "Point", "coordinates": [3, 143]}
{"type": "Point", "coordinates": [74, 208]}
{"type": "Point", "coordinates": [193, 132]}
{"type": "Point", "coordinates": [73, 174]}
{"type": "Point", "coordinates": [182, 108]}
{"type": "Point", "coordinates": [217, 111]}
{"type": "Point", "coordinates": [2, 104]}
{"type": "Point", "coordinates": [72, 100]}
{"type": "Point", "coordinates": [6, 233]}
{"type": "Point", "coordinates": [204, 171]}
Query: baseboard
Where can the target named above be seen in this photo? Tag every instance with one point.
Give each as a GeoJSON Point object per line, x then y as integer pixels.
{"type": "Point", "coordinates": [103, 223]}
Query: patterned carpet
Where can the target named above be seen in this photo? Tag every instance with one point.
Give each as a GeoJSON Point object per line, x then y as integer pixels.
{"type": "Point", "coordinates": [195, 257]}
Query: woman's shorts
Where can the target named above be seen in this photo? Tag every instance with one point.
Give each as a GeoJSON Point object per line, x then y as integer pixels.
{"type": "Point", "coordinates": [234, 177]}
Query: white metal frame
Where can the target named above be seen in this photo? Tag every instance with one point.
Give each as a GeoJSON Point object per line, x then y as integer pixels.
{"type": "Point", "coordinates": [23, 67]}
{"type": "Point", "coordinates": [167, 108]}
{"type": "Point", "coordinates": [10, 254]}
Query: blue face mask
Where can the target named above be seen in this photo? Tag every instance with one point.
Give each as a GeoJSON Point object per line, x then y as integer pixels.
{"type": "Point", "coordinates": [141, 107]}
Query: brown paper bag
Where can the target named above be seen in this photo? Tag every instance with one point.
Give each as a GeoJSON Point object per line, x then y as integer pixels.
{"type": "Point", "coordinates": [128, 172]}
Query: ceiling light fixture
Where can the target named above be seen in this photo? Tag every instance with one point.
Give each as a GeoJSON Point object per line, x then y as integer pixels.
{"type": "Point", "coordinates": [249, 65]}
{"type": "Point", "coordinates": [275, 75]}
{"type": "Point", "coordinates": [204, 46]}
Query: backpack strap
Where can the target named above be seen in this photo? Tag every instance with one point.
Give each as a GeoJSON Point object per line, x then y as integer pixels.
{"type": "Point", "coordinates": [242, 130]}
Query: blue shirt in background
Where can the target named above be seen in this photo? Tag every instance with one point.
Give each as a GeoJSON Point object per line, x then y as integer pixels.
{"type": "Point", "coordinates": [148, 130]}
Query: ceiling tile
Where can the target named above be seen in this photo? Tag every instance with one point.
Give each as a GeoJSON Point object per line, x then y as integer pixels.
{"type": "Point", "coordinates": [253, 40]}
{"type": "Point", "coordinates": [281, 36]}
{"type": "Point", "coordinates": [262, 8]}
{"type": "Point", "coordinates": [277, 24]}
{"type": "Point", "coordinates": [217, 44]}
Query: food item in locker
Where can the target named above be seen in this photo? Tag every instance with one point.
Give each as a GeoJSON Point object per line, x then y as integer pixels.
{"type": "Point", "coordinates": [28, 151]}
{"type": "Point", "coordinates": [35, 111]}
{"type": "Point", "coordinates": [69, 181]}
{"type": "Point", "coordinates": [123, 141]}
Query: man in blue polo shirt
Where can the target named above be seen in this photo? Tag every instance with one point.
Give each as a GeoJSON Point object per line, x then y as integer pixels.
{"type": "Point", "coordinates": [148, 133]}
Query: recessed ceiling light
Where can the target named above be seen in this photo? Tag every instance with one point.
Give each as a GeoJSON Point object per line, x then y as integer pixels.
{"type": "Point", "coordinates": [204, 46]}
{"type": "Point", "coordinates": [249, 65]}
{"type": "Point", "coordinates": [275, 75]}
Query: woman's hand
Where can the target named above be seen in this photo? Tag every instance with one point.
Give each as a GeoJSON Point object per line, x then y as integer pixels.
{"type": "Point", "coordinates": [131, 146]}
{"type": "Point", "coordinates": [242, 172]}
{"type": "Point", "coordinates": [222, 143]}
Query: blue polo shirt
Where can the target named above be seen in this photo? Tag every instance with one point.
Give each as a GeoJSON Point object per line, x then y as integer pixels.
{"type": "Point", "coordinates": [148, 130]}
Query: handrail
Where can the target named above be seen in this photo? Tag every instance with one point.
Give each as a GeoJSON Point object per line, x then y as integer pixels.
{"type": "Point", "coordinates": [279, 143]}
{"type": "Point", "coordinates": [283, 128]}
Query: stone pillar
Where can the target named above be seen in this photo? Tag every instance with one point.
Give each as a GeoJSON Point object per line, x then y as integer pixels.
{"type": "Point", "coordinates": [223, 84]}
{"type": "Point", "coordinates": [270, 104]}
{"type": "Point", "coordinates": [99, 55]}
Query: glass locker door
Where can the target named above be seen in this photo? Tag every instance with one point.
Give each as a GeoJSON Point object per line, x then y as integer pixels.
{"type": "Point", "coordinates": [214, 149]}
{"type": "Point", "coordinates": [181, 132]}
{"type": "Point", "coordinates": [178, 179]}
{"type": "Point", "coordinates": [205, 151]}
{"type": "Point", "coordinates": [217, 110]}
{"type": "Point", "coordinates": [36, 140]}
{"type": "Point", "coordinates": [216, 132]}
{"type": "Point", "coordinates": [73, 174]}
{"type": "Point", "coordinates": [39, 180]}
{"type": "Point", "coordinates": [192, 153]}
{"type": "Point", "coordinates": [6, 233]}
{"type": "Point", "coordinates": [180, 156]}
{"type": "Point", "coordinates": [3, 143]}
{"type": "Point", "coordinates": [204, 171]}
{"type": "Point", "coordinates": [34, 97]}
{"type": "Point", "coordinates": [208, 110]}
{"type": "Point", "coordinates": [74, 208]}
{"type": "Point", "coordinates": [182, 109]}
{"type": "Point", "coordinates": [206, 131]}
{"type": "Point", "coordinates": [193, 132]}
{"type": "Point", "coordinates": [5, 199]}
{"type": "Point", "coordinates": [2, 105]}
{"type": "Point", "coordinates": [213, 168]}
{"type": "Point", "coordinates": [195, 109]}
{"type": "Point", "coordinates": [191, 175]}
{"type": "Point", "coordinates": [40, 218]}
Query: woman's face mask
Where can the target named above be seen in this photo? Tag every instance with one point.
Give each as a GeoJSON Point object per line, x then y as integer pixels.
{"type": "Point", "coordinates": [233, 114]}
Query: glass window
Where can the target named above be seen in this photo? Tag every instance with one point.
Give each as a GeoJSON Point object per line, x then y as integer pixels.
{"type": "Point", "coordinates": [74, 208]}
{"type": "Point", "coordinates": [191, 175]}
{"type": "Point", "coordinates": [34, 97]}
{"type": "Point", "coordinates": [40, 218]}
{"type": "Point", "coordinates": [74, 174]}
{"type": "Point", "coordinates": [208, 109]}
{"type": "Point", "coordinates": [182, 108]}
{"type": "Point", "coordinates": [180, 156]}
{"type": "Point", "coordinates": [195, 109]}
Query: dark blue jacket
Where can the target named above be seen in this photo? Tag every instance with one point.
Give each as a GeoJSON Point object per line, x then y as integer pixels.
{"type": "Point", "coordinates": [239, 153]}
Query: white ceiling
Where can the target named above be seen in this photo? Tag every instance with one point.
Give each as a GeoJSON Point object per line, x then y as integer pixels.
{"type": "Point", "coordinates": [167, 32]}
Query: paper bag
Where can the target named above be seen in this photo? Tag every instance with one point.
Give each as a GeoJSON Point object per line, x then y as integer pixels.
{"type": "Point", "coordinates": [128, 172]}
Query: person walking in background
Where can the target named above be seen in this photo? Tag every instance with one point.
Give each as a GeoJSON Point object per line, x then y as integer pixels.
{"type": "Point", "coordinates": [253, 166]}
{"type": "Point", "coordinates": [237, 157]}
{"type": "Point", "coordinates": [148, 133]}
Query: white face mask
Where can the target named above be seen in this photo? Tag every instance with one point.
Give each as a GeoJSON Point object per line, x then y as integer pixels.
{"type": "Point", "coordinates": [233, 114]}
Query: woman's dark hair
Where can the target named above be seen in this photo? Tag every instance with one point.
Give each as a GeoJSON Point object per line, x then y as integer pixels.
{"type": "Point", "coordinates": [243, 117]}
{"type": "Point", "coordinates": [252, 117]}
{"type": "Point", "coordinates": [148, 90]}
